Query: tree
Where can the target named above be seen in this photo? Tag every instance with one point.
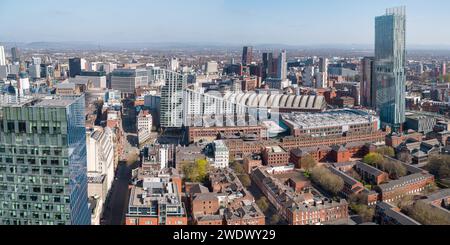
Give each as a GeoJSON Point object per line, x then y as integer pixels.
{"type": "Point", "coordinates": [275, 219]}
{"type": "Point", "coordinates": [386, 151]}
{"type": "Point", "coordinates": [190, 172]}
{"type": "Point", "coordinates": [404, 157]}
{"type": "Point", "coordinates": [439, 166]}
{"type": "Point", "coordinates": [374, 159]}
{"type": "Point", "coordinates": [427, 215]}
{"type": "Point", "coordinates": [237, 167]}
{"type": "Point", "coordinates": [395, 169]}
{"type": "Point", "coordinates": [196, 171]}
{"type": "Point", "coordinates": [307, 162]}
{"type": "Point", "coordinates": [364, 211]}
{"type": "Point", "coordinates": [245, 180]}
{"type": "Point", "coordinates": [327, 180]}
{"type": "Point", "coordinates": [263, 204]}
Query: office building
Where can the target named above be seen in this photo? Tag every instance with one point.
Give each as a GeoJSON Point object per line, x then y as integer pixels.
{"type": "Point", "coordinates": [15, 54]}
{"type": "Point", "coordinates": [221, 154]}
{"type": "Point", "coordinates": [172, 100]}
{"type": "Point", "coordinates": [247, 55]}
{"type": "Point", "coordinates": [100, 154]}
{"type": "Point", "coordinates": [43, 161]}
{"type": "Point", "coordinates": [211, 67]}
{"type": "Point", "coordinates": [174, 64]}
{"type": "Point", "coordinates": [282, 66]}
{"type": "Point", "coordinates": [2, 56]}
{"type": "Point", "coordinates": [368, 85]}
{"type": "Point", "coordinates": [390, 57]}
{"type": "Point", "coordinates": [75, 67]}
{"type": "Point", "coordinates": [156, 199]}
{"type": "Point", "coordinates": [127, 80]}
{"type": "Point", "coordinates": [266, 63]}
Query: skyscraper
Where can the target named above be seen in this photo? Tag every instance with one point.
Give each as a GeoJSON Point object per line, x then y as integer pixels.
{"type": "Point", "coordinates": [368, 85]}
{"type": "Point", "coordinates": [43, 168]}
{"type": "Point", "coordinates": [74, 67]}
{"type": "Point", "coordinates": [282, 66]}
{"type": "Point", "coordinates": [172, 100]}
{"type": "Point", "coordinates": [390, 57]}
{"type": "Point", "coordinates": [247, 55]}
{"type": "Point", "coordinates": [2, 56]}
{"type": "Point", "coordinates": [444, 68]}
{"type": "Point", "coordinates": [15, 53]}
{"type": "Point", "coordinates": [322, 82]}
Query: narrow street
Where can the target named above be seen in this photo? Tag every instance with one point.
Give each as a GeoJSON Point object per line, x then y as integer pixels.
{"type": "Point", "coordinates": [116, 208]}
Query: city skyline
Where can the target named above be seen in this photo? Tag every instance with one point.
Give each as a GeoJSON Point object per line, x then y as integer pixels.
{"type": "Point", "coordinates": [221, 21]}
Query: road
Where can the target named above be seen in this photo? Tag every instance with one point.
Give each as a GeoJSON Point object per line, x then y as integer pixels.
{"type": "Point", "coordinates": [116, 207]}
{"type": "Point", "coordinates": [118, 201]}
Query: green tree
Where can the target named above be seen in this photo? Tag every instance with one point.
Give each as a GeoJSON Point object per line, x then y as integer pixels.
{"type": "Point", "coordinates": [263, 204]}
{"type": "Point", "coordinates": [386, 151]}
{"type": "Point", "coordinates": [190, 172]}
{"type": "Point", "coordinates": [196, 171]}
{"type": "Point", "coordinates": [375, 159]}
{"type": "Point", "coordinates": [308, 162]}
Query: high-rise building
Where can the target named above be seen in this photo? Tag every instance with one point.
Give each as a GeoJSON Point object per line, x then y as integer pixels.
{"type": "Point", "coordinates": [174, 64]}
{"type": "Point", "coordinates": [2, 56]}
{"type": "Point", "coordinates": [282, 66]}
{"type": "Point", "coordinates": [127, 80]}
{"type": "Point", "coordinates": [266, 61]}
{"type": "Point", "coordinates": [444, 68]}
{"type": "Point", "coordinates": [43, 168]}
{"type": "Point", "coordinates": [74, 67]}
{"type": "Point", "coordinates": [390, 59]}
{"type": "Point", "coordinates": [15, 53]}
{"type": "Point", "coordinates": [247, 55]}
{"type": "Point", "coordinates": [211, 67]}
{"type": "Point", "coordinates": [323, 70]}
{"type": "Point", "coordinates": [368, 86]}
{"type": "Point", "coordinates": [172, 100]}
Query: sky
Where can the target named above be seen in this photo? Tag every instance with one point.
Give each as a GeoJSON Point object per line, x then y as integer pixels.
{"type": "Point", "coordinates": [290, 22]}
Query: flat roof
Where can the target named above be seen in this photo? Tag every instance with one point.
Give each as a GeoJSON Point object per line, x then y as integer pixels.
{"type": "Point", "coordinates": [343, 117]}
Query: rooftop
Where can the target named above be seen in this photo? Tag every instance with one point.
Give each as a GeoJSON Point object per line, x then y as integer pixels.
{"type": "Point", "coordinates": [36, 101]}
{"type": "Point", "coordinates": [331, 118]}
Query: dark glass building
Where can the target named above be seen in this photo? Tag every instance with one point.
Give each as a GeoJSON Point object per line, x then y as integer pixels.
{"type": "Point", "coordinates": [74, 67]}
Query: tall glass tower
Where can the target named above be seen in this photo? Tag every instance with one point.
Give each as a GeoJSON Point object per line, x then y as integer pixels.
{"type": "Point", "coordinates": [390, 55]}
{"type": "Point", "coordinates": [43, 161]}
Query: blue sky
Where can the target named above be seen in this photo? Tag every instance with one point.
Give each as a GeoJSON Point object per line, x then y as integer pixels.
{"type": "Point", "coordinates": [294, 22]}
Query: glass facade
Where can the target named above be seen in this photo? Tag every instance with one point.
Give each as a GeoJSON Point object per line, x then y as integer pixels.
{"type": "Point", "coordinates": [43, 162]}
{"type": "Point", "coordinates": [390, 57]}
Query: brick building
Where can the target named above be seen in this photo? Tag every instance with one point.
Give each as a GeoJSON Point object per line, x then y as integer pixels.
{"type": "Point", "coordinates": [299, 208]}
{"type": "Point", "coordinates": [209, 134]}
{"type": "Point", "coordinates": [371, 174]}
{"type": "Point", "coordinates": [406, 185]}
{"type": "Point", "coordinates": [275, 156]}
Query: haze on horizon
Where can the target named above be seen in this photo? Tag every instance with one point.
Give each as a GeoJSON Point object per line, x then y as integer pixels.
{"type": "Point", "coordinates": [290, 22]}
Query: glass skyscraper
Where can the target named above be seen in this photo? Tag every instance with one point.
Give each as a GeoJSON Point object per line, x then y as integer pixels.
{"type": "Point", "coordinates": [43, 161]}
{"type": "Point", "coordinates": [390, 57]}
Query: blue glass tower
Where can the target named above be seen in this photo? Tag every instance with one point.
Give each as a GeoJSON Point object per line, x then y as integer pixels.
{"type": "Point", "coordinates": [43, 161]}
{"type": "Point", "coordinates": [390, 58]}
